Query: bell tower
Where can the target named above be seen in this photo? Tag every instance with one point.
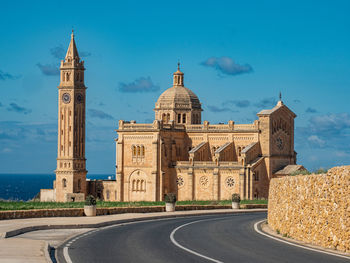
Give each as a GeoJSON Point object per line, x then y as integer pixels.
{"type": "Point", "coordinates": [71, 163]}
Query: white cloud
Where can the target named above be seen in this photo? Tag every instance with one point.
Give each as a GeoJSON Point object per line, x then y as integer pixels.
{"type": "Point", "coordinates": [227, 66]}
{"type": "Point", "coordinates": [314, 139]}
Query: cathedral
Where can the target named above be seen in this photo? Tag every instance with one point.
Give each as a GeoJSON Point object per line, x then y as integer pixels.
{"type": "Point", "coordinates": [177, 153]}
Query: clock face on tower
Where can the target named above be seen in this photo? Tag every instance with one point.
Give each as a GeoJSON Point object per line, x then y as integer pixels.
{"type": "Point", "coordinates": [79, 98]}
{"type": "Point", "coordinates": [66, 98]}
{"type": "Point", "coordinates": [279, 143]}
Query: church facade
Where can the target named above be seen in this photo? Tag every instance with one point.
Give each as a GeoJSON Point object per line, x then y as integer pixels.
{"type": "Point", "coordinates": [177, 153]}
{"type": "Point", "coordinates": [180, 153]}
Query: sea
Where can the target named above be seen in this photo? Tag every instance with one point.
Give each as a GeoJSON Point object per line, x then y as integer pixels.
{"type": "Point", "coordinates": [26, 186]}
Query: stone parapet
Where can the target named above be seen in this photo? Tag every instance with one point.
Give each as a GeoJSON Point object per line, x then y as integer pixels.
{"type": "Point", "coordinates": [313, 208]}
{"type": "Point", "coordinates": [128, 126]}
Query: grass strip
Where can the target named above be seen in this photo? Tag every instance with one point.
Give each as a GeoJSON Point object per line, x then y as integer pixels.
{"type": "Point", "coordinates": [26, 205]}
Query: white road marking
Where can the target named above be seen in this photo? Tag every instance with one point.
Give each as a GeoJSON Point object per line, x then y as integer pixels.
{"type": "Point", "coordinates": [66, 255]}
{"type": "Point", "coordinates": [187, 249]}
{"type": "Point", "coordinates": [65, 249]}
{"type": "Point", "coordinates": [296, 245]}
{"type": "Point", "coordinates": [68, 259]}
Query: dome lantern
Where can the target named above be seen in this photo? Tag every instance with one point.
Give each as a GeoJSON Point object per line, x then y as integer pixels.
{"type": "Point", "coordinates": [178, 103]}
{"type": "Point", "coordinates": [178, 77]}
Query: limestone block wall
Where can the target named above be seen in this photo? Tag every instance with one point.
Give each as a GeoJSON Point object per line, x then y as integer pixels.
{"type": "Point", "coordinates": [313, 208]}
{"type": "Point", "coordinates": [47, 195]}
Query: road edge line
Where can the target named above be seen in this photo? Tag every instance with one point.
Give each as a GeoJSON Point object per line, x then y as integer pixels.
{"type": "Point", "coordinates": [66, 255]}
{"type": "Point", "coordinates": [261, 232]}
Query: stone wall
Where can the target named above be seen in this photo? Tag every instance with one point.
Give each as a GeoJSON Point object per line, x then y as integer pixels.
{"type": "Point", "coordinates": [70, 212]}
{"type": "Point", "coordinates": [47, 195]}
{"type": "Point", "coordinates": [313, 208]}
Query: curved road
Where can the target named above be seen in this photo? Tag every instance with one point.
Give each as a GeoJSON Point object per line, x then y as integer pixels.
{"type": "Point", "coordinates": [220, 238]}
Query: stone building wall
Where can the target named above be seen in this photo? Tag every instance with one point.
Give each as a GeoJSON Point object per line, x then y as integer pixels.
{"type": "Point", "coordinates": [47, 195]}
{"type": "Point", "coordinates": [313, 208]}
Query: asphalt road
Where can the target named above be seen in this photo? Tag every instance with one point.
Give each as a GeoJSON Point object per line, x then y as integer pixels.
{"type": "Point", "coordinates": [223, 238]}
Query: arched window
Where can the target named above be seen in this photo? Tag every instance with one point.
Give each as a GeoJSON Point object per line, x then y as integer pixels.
{"type": "Point", "coordinates": [79, 184]}
{"type": "Point", "coordinates": [179, 118]}
{"type": "Point", "coordinates": [138, 185]}
{"type": "Point", "coordinates": [184, 118]}
{"type": "Point", "coordinates": [142, 150]}
{"type": "Point", "coordinates": [138, 151]}
{"type": "Point", "coordinates": [142, 185]}
{"type": "Point", "coordinates": [67, 76]}
{"type": "Point", "coordinates": [133, 150]}
{"type": "Point", "coordinates": [167, 117]}
{"type": "Point", "coordinates": [133, 185]}
{"type": "Point", "coordinates": [164, 117]}
{"type": "Point", "coordinates": [64, 182]}
{"type": "Point", "coordinates": [107, 194]}
{"type": "Point", "coordinates": [239, 151]}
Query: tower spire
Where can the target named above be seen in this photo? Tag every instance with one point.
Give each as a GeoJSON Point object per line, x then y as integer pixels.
{"type": "Point", "coordinates": [178, 79]}
{"type": "Point", "coordinates": [72, 52]}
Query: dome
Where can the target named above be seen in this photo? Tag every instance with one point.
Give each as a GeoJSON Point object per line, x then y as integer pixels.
{"type": "Point", "coordinates": [178, 97]}
{"type": "Point", "coordinates": [178, 104]}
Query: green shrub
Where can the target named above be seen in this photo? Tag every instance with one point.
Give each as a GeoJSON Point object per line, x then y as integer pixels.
{"type": "Point", "coordinates": [254, 201]}
{"type": "Point", "coordinates": [90, 200]}
{"type": "Point", "coordinates": [303, 172]}
{"type": "Point", "coordinates": [236, 198]}
{"type": "Point", "coordinates": [170, 198]}
{"type": "Point", "coordinates": [321, 171]}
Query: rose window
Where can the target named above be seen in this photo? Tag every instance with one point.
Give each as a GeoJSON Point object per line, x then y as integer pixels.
{"type": "Point", "coordinates": [204, 181]}
{"type": "Point", "coordinates": [230, 182]}
{"type": "Point", "coordinates": [180, 181]}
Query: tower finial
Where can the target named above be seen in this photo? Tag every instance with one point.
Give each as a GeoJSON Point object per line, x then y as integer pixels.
{"type": "Point", "coordinates": [72, 35]}
{"type": "Point", "coordinates": [178, 65]}
{"type": "Point", "coordinates": [280, 102]}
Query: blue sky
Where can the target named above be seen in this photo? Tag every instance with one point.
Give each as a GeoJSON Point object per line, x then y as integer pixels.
{"type": "Point", "coordinates": [236, 55]}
